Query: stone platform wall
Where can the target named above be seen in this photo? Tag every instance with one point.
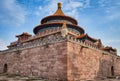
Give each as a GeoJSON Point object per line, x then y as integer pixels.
{"type": "Point", "coordinates": [84, 63]}
{"type": "Point", "coordinates": [63, 60]}
{"type": "Point", "coordinates": [48, 61]}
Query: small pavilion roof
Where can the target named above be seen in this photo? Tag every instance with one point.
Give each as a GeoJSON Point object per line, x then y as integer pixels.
{"type": "Point", "coordinates": [109, 48]}
{"type": "Point", "coordinates": [86, 36]}
{"type": "Point", "coordinates": [24, 33]}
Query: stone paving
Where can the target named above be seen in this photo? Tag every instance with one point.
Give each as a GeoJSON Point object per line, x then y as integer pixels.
{"type": "Point", "coordinates": [18, 78]}
{"type": "Point", "coordinates": [4, 77]}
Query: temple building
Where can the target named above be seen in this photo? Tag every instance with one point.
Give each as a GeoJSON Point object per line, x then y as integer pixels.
{"type": "Point", "coordinates": [60, 50]}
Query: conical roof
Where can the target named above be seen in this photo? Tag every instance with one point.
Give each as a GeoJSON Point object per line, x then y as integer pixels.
{"type": "Point", "coordinates": [59, 15]}
{"type": "Point", "coordinates": [59, 11]}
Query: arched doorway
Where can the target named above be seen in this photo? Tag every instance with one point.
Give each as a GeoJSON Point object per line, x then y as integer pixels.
{"type": "Point", "coordinates": [112, 71]}
{"type": "Point", "coordinates": [5, 68]}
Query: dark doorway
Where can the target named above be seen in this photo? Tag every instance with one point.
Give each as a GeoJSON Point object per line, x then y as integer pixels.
{"type": "Point", "coordinates": [112, 71]}
{"type": "Point", "coordinates": [5, 68]}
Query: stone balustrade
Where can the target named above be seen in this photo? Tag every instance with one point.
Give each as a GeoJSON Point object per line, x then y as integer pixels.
{"type": "Point", "coordinates": [81, 42]}
{"type": "Point", "coordinates": [54, 39]}
{"type": "Point", "coordinates": [48, 30]}
{"type": "Point", "coordinates": [72, 39]}
{"type": "Point", "coordinates": [37, 42]}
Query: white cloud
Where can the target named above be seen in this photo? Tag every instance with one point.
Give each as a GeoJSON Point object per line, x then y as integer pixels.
{"type": "Point", "coordinates": [102, 3]}
{"type": "Point", "coordinates": [11, 13]}
{"type": "Point", "coordinates": [3, 45]}
{"type": "Point", "coordinates": [87, 4]}
{"type": "Point", "coordinates": [73, 5]}
{"type": "Point", "coordinates": [70, 7]}
{"type": "Point", "coordinates": [114, 28]}
{"type": "Point", "coordinates": [114, 16]}
{"type": "Point", "coordinates": [112, 41]}
{"type": "Point", "coordinates": [111, 8]}
{"type": "Point", "coordinates": [39, 10]}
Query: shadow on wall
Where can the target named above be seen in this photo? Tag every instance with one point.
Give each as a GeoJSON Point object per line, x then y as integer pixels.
{"type": "Point", "coordinates": [5, 68]}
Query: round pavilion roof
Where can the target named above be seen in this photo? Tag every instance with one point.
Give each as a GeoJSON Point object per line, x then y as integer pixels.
{"type": "Point", "coordinates": [59, 15]}
{"type": "Point", "coordinates": [57, 19]}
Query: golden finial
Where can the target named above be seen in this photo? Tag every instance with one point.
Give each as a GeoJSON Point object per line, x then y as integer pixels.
{"type": "Point", "coordinates": [59, 5]}
{"type": "Point", "coordinates": [59, 10]}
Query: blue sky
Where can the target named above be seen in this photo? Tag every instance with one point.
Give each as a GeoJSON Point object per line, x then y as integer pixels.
{"type": "Point", "coordinates": [99, 18]}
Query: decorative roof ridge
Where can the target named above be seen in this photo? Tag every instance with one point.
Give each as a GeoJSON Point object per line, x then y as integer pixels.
{"type": "Point", "coordinates": [86, 35]}
{"type": "Point", "coordinates": [109, 48]}
{"type": "Point", "coordinates": [81, 36]}
{"type": "Point", "coordinates": [59, 10]}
